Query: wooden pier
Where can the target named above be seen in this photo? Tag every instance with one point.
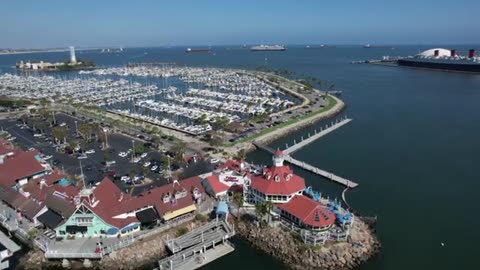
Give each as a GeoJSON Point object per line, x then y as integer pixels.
{"type": "Point", "coordinates": [199, 247]}
{"type": "Point", "coordinates": [311, 138]}
{"type": "Point", "coordinates": [311, 168]}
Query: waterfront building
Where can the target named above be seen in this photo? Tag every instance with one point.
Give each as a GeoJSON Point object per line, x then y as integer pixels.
{"type": "Point", "coordinates": [105, 210]}
{"type": "Point", "coordinates": [228, 178]}
{"type": "Point", "coordinates": [315, 219]}
{"type": "Point", "coordinates": [276, 183]}
{"type": "Point", "coordinates": [17, 167]}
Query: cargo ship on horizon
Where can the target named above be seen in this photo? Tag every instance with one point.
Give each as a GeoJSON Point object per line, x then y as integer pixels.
{"type": "Point", "coordinates": [268, 48]}
{"type": "Point", "coordinates": [443, 59]}
{"type": "Point", "coordinates": [190, 50]}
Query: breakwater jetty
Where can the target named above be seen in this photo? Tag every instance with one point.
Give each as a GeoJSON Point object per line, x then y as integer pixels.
{"type": "Point", "coordinates": [361, 246]}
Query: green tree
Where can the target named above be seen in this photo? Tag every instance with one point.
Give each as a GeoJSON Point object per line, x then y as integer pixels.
{"type": "Point", "coordinates": [85, 129]}
{"type": "Point", "coordinates": [238, 199]}
{"type": "Point", "coordinates": [59, 134]}
{"type": "Point", "coordinates": [268, 208]}
{"type": "Point", "coordinates": [260, 210]}
{"type": "Point", "coordinates": [241, 155]}
{"type": "Point", "coordinates": [216, 140]}
{"type": "Point", "coordinates": [138, 149]}
{"type": "Point", "coordinates": [83, 144]}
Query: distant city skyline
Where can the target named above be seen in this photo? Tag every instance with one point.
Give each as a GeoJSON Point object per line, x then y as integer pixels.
{"type": "Point", "coordinates": [51, 24]}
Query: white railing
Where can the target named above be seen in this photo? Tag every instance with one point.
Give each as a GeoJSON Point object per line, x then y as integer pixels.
{"type": "Point", "coordinates": [60, 255]}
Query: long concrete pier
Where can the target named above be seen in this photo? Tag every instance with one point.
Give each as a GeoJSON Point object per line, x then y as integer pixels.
{"type": "Point", "coordinates": [198, 247]}
{"type": "Point", "coordinates": [311, 168]}
{"type": "Point", "coordinates": [333, 126]}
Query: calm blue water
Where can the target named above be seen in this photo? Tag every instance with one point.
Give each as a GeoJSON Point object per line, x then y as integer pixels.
{"type": "Point", "coordinates": [413, 147]}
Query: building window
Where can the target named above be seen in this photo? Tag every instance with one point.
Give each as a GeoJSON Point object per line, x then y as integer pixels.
{"type": "Point", "coordinates": [85, 221]}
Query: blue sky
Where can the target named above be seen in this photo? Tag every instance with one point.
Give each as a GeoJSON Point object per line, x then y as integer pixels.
{"type": "Point", "coordinates": [38, 24]}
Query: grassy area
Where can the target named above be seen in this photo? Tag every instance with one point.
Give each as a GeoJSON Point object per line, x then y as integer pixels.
{"type": "Point", "coordinates": [331, 103]}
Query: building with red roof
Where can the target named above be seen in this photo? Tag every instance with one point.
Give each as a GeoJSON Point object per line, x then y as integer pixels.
{"type": "Point", "coordinates": [276, 183]}
{"type": "Point", "coordinates": [222, 181]}
{"type": "Point", "coordinates": [18, 167]}
{"type": "Point", "coordinates": [106, 211]}
{"type": "Point", "coordinates": [307, 213]}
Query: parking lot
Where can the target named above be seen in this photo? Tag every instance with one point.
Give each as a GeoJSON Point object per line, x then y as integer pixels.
{"type": "Point", "coordinates": [93, 165]}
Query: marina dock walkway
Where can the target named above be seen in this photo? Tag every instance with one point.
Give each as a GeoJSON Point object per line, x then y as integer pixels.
{"type": "Point", "coordinates": [8, 243]}
{"type": "Point", "coordinates": [198, 247]}
{"type": "Point", "coordinates": [306, 166]}
{"type": "Point", "coordinates": [316, 136]}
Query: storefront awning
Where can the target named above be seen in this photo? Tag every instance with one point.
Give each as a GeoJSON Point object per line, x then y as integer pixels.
{"type": "Point", "coordinates": [50, 219]}
{"type": "Point", "coordinates": [147, 216]}
{"type": "Point", "coordinates": [72, 229]}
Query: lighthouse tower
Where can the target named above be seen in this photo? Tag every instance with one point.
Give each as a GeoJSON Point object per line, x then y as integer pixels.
{"type": "Point", "coordinates": [278, 158]}
{"type": "Point", "coordinates": [73, 59]}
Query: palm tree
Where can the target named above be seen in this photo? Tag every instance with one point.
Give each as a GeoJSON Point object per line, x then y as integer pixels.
{"type": "Point", "coordinates": [238, 199]}
{"type": "Point", "coordinates": [268, 208]}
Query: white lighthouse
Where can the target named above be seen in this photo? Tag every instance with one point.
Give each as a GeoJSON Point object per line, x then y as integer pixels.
{"type": "Point", "coordinates": [73, 59]}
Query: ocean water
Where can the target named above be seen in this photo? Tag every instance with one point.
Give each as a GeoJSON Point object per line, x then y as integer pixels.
{"type": "Point", "coordinates": [413, 147]}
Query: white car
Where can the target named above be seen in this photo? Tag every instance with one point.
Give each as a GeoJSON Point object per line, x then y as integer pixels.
{"type": "Point", "coordinates": [63, 124]}
{"type": "Point", "coordinates": [122, 154]}
{"type": "Point", "coordinates": [11, 139]}
{"type": "Point", "coordinates": [124, 178]}
{"type": "Point", "coordinates": [214, 160]}
{"type": "Point", "coordinates": [91, 151]}
{"type": "Point", "coordinates": [136, 160]}
{"type": "Point", "coordinates": [82, 157]}
{"type": "Point", "coordinates": [110, 163]}
{"type": "Point", "coordinates": [144, 155]}
{"type": "Point", "coordinates": [146, 164]}
{"type": "Point", "coordinates": [47, 157]}
{"type": "Point", "coordinates": [37, 135]}
{"type": "Point", "coordinates": [154, 168]}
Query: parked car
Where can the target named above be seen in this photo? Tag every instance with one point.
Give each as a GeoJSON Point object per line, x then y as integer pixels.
{"type": "Point", "coordinates": [144, 155]}
{"type": "Point", "coordinates": [91, 151]}
{"type": "Point", "coordinates": [146, 164]}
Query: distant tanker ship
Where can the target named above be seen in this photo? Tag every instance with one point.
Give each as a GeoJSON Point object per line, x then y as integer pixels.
{"type": "Point", "coordinates": [268, 48]}
{"type": "Point", "coordinates": [190, 50]}
{"type": "Point", "coordinates": [443, 59]}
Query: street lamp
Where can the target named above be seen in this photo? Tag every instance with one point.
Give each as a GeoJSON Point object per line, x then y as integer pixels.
{"type": "Point", "coordinates": [133, 149]}
{"type": "Point", "coordinates": [105, 130]}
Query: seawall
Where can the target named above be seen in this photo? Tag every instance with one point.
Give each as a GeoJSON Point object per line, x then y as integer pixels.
{"type": "Point", "coordinates": [288, 247]}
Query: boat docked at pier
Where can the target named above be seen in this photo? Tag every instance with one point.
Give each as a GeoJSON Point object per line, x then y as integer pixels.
{"type": "Point", "coordinates": [443, 59]}
{"type": "Point", "coordinates": [268, 48]}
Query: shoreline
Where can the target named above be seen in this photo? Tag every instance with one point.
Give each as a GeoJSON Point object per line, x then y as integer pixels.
{"type": "Point", "coordinates": [283, 131]}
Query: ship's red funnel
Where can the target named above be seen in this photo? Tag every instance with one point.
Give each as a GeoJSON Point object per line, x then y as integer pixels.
{"type": "Point", "coordinates": [453, 53]}
{"type": "Point", "coordinates": [471, 53]}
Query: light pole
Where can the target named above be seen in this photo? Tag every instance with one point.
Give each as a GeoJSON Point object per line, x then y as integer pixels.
{"type": "Point", "coordinates": [81, 173]}
{"type": "Point", "coordinates": [106, 137]}
{"type": "Point", "coordinates": [133, 149]}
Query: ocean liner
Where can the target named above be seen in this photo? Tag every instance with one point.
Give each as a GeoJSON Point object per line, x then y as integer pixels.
{"type": "Point", "coordinates": [443, 59]}
{"type": "Point", "coordinates": [268, 48]}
